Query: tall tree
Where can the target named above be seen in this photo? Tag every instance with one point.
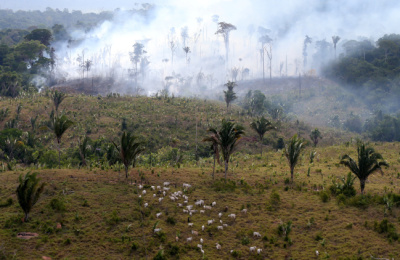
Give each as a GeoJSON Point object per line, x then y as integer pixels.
{"type": "Point", "coordinates": [42, 35]}
{"type": "Point", "coordinates": [28, 192]}
{"type": "Point", "coordinates": [225, 29]}
{"type": "Point", "coordinates": [307, 40]}
{"type": "Point", "coordinates": [228, 136]}
{"type": "Point", "coordinates": [264, 40]}
{"type": "Point", "coordinates": [60, 125]}
{"type": "Point", "coordinates": [315, 136]}
{"type": "Point", "coordinates": [292, 152]}
{"type": "Point", "coordinates": [229, 94]}
{"type": "Point", "coordinates": [335, 40]}
{"type": "Point", "coordinates": [128, 150]}
{"type": "Point", "coordinates": [136, 57]}
{"type": "Point", "coordinates": [368, 162]}
{"type": "Point", "coordinates": [261, 126]}
{"type": "Point", "coordinates": [186, 50]}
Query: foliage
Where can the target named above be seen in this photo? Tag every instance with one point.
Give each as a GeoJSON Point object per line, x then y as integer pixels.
{"type": "Point", "coordinates": [228, 137]}
{"type": "Point", "coordinates": [292, 152]}
{"type": "Point", "coordinates": [261, 126]}
{"type": "Point", "coordinates": [315, 136]}
{"type": "Point", "coordinates": [128, 150]}
{"type": "Point", "coordinates": [385, 227]}
{"type": "Point", "coordinates": [368, 162]}
{"type": "Point", "coordinates": [28, 192]}
{"type": "Point", "coordinates": [345, 186]}
{"type": "Point", "coordinates": [230, 95]}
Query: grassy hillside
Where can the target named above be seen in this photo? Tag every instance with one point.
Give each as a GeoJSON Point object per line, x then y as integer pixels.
{"type": "Point", "coordinates": [161, 122]}
{"type": "Point", "coordinates": [102, 217]}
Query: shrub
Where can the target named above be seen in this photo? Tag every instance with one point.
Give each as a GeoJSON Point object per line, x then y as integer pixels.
{"type": "Point", "coordinates": [324, 196]}
{"type": "Point", "coordinates": [134, 247]}
{"type": "Point", "coordinates": [345, 187]}
{"type": "Point", "coordinates": [245, 241]}
{"type": "Point", "coordinates": [172, 250]}
{"type": "Point", "coordinates": [223, 185]}
{"type": "Point", "coordinates": [9, 202]}
{"type": "Point", "coordinates": [388, 228]}
{"type": "Point", "coordinates": [274, 201]}
{"type": "Point", "coordinates": [171, 220]}
{"type": "Point", "coordinates": [57, 205]}
{"type": "Point", "coordinates": [160, 255]}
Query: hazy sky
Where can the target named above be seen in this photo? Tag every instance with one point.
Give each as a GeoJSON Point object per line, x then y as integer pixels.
{"type": "Point", "coordinates": [87, 5]}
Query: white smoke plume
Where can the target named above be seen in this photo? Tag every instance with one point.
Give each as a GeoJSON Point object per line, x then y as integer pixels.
{"type": "Point", "coordinates": [288, 22]}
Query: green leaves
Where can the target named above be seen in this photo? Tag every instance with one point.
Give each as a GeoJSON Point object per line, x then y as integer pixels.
{"type": "Point", "coordinates": [28, 192]}
{"type": "Point", "coordinates": [129, 149]}
{"type": "Point", "coordinates": [368, 162]}
{"type": "Point", "coordinates": [292, 152]}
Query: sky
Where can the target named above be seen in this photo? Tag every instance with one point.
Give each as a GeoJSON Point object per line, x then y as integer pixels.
{"type": "Point", "coordinates": [87, 5]}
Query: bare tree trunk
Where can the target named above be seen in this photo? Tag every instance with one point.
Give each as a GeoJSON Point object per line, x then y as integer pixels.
{"type": "Point", "coordinates": [362, 186]}
{"type": "Point", "coordinates": [214, 168]}
{"type": "Point", "coordinates": [226, 169]}
{"type": "Point", "coordinates": [291, 173]}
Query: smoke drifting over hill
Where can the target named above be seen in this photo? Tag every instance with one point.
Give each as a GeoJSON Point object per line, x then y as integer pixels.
{"type": "Point", "coordinates": [166, 28]}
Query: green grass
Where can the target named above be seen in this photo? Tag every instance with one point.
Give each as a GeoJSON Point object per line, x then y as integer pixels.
{"type": "Point", "coordinates": [102, 216]}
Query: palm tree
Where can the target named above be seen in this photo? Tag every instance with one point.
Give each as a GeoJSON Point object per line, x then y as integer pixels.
{"type": "Point", "coordinates": [58, 97]}
{"type": "Point", "coordinates": [128, 150]}
{"type": "Point", "coordinates": [213, 139]}
{"type": "Point", "coordinates": [369, 161]}
{"type": "Point", "coordinates": [60, 125]}
{"type": "Point", "coordinates": [261, 126]}
{"type": "Point", "coordinates": [315, 135]}
{"type": "Point", "coordinates": [227, 138]}
{"type": "Point", "coordinates": [292, 152]}
{"type": "Point", "coordinates": [229, 94]}
{"type": "Point", "coordinates": [335, 40]}
{"type": "Point", "coordinates": [84, 148]}
{"type": "Point", "coordinates": [28, 192]}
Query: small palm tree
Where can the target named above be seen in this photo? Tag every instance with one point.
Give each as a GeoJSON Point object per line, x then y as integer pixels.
{"type": "Point", "coordinates": [261, 126]}
{"type": "Point", "coordinates": [213, 139]}
{"type": "Point", "coordinates": [230, 96]}
{"type": "Point", "coordinates": [60, 125]}
{"type": "Point", "coordinates": [315, 136]}
{"type": "Point", "coordinates": [369, 161]}
{"type": "Point", "coordinates": [84, 148]}
{"type": "Point", "coordinates": [28, 192]}
{"type": "Point", "coordinates": [228, 137]}
{"type": "Point", "coordinates": [128, 150]}
{"type": "Point", "coordinates": [57, 98]}
{"type": "Point", "coordinates": [292, 152]}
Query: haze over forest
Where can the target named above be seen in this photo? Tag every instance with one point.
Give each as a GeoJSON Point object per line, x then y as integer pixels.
{"type": "Point", "coordinates": [166, 28]}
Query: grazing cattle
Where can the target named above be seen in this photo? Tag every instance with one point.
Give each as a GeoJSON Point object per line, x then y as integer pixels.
{"type": "Point", "coordinates": [214, 204]}
{"type": "Point", "coordinates": [202, 211]}
{"type": "Point", "coordinates": [189, 239]}
{"type": "Point", "coordinates": [218, 246]}
{"type": "Point", "coordinates": [209, 222]}
{"type": "Point", "coordinates": [259, 251]}
{"type": "Point", "coordinates": [256, 234]}
{"type": "Point", "coordinates": [220, 215]}
{"type": "Point", "coordinates": [158, 214]}
{"type": "Point", "coordinates": [233, 216]}
{"type": "Point", "coordinates": [220, 227]}
{"type": "Point", "coordinates": [202, 228]}
{"type": "Point", "coordinates": [190, 224]}
{"type": "Point", "coordinates": [252, 249]}
{"type": "Point", "coordinates": [244, 211]}
{"type": "Point", "coordinates": [156, 230]}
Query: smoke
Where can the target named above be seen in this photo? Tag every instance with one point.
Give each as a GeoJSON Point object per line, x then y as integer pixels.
{"type": "Point", "coordinates": [204, 68]}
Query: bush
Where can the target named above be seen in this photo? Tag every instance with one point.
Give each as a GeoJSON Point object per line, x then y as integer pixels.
{"type": "Point", "coordinates": [274, 201]}
{"type": "Point", "coordinates": [134, 247]}
{"type": "Point", "coordinates": [171, 220]}
{"type": "Point", "coordinates": [388, 228]}
{"type": "Point", "coordinates": [360, 201]}
{"type": "Point", "coordinates": [9, 202]}
{"type": "Point", "coordinates": [57, 205]}
{"type": "Point", "coordinates": [245, 241]}
{"type": "Point", "coordinates": [324, 196]}
{"type": "Point", "coordinates": [223, 185]}
{"type": "Point", "coordinates": [345, 187]}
